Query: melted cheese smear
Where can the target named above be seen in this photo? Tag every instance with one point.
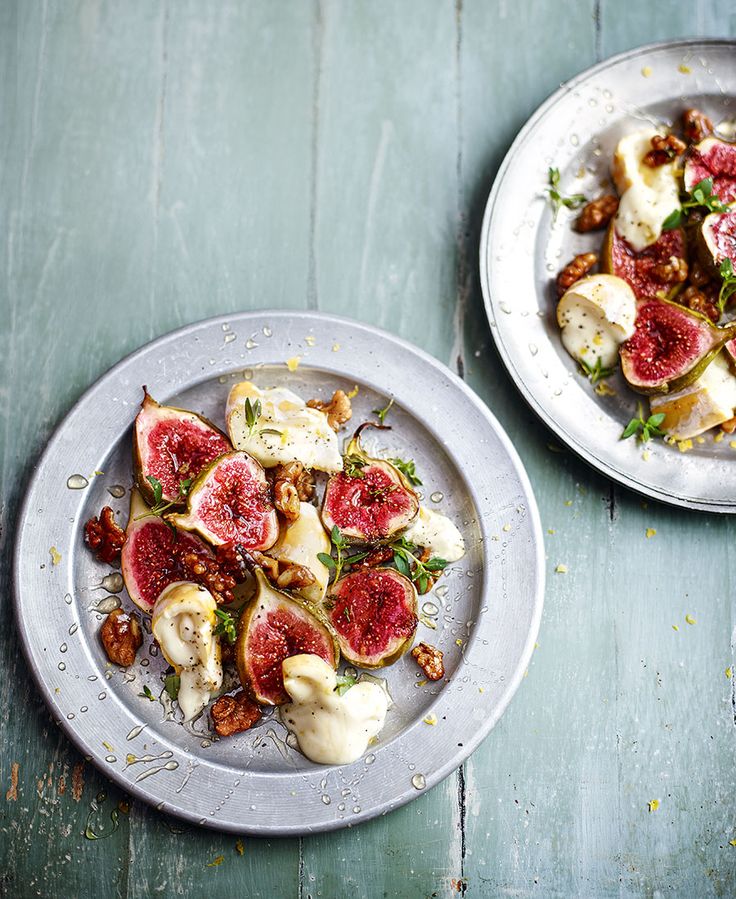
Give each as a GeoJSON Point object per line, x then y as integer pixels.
{"type": "Point", "coordinates": [331, 729]}
{"type": "Point", "coordinates": [183, 624]}
{"type": "Point", "coordinates": [648, 195]}
{"type": "Point", "coordinates": [287, 430]}
{"type": "Point", "coordinates": [437, 533]}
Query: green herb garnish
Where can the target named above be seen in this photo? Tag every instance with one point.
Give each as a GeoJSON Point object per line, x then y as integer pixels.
{"type": "Point", "coordinates": [159, 504]}
{"type": "Point", "coordinates": [408, 469]}
{"type": "Point", "coordinates": [146, 694]}
{"type": "Point", "coordinates": [344, 683]}
{"type": "Point", "coordinates": [353, 466]}
{"type": "Point", "coordinates": [728, 288]}
{"type": "Point", "coordinates": [172, 682]}
{"type": "Point", "coordinates": [340, 543]}
{"type": "Point", "coordinates": [596, 372]}
{"type": "Point", "coordinates": [252, 414]}
{"type": "Point", "coordinates": [556, 198]}
{"type": "Point", "coordinates": [407, 563]}
{"type": "Point", "coordinates": [644, 429]}
{"type": "Point", "coordinates": [701, 195]}
{"type": "Point", "coordinates": [226, 625]}
{"type": "Point", "coordinates": [382, 413]}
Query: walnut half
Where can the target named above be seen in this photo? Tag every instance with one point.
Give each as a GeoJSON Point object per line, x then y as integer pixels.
{"type": "Point", "coordinates": [121, 637]}
{"type": "Point", "coordinates": [338, 409]}
{"type": "Point", "coordinates": [292, 484]}
{"type": "Point", "coordinates": [574, 271]}
{"type": "Point", "coordinates": [234, 714]}
{"type": "Point", "coordinates": [429, 659]}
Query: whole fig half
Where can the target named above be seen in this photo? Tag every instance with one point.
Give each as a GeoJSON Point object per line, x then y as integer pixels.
{"type": "Point", "coordinates": [716, 240]}
{"type": "Point", "coordinates": [370, 500]}
{"type": "Point", "coordinates": [172, 445]}
{"type": "Point", "coordinates": [273, 627]}
{"type": "Point", "coordinates": [646, 271]}
{"type": "Point", "coordinates": [148, 561]}
{"type": "Point", "coordinates": [230, 502]}
{"type": "Point", "coordinates": [374, 614]}
{"type": "Point", "coordinates": [670, 348]}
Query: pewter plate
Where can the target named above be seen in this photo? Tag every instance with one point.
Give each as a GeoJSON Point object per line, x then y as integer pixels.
{"type": "Point", "coordinates": [488, 605]}
{"type": "Point", "coordinates": [522, 250]}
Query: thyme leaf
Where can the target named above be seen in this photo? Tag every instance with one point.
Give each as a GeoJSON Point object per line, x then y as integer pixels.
{"type": "Point", "coordinates": [558, 200]}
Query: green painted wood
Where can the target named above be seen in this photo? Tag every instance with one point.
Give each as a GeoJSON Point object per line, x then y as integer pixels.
{"type": "Point", "coordinates": [166, 161]}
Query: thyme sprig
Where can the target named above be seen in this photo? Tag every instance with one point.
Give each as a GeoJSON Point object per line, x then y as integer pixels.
{"type": "Point", "coordinates": [159, 504]}
{"type": "Point", "coordinates": [407, 563]}
{"type": "Point", "coordinates": [644, 429]}
{"type": "Point", "coordinates": [728, 287]}
{"type": "Point", "coordinates": [382, 413]}
{"type": "Point", "coordinates": [226, 625]}
{"type": "Point", "coordinates": [408, 468]}
{"type": "Point", "coordinates": [558, 200]}
{"type": "Point", "coordinates": [596, 372]}
{"type": "Point", "coordinates": [700, 196]}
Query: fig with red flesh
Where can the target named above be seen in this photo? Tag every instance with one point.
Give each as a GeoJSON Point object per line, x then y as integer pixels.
{"type": "Point", "coordinates": [370, 500]}
{"type": "Point", "coordinates": [670, 348]}
{"type": "Point", "coordinates": [172, 445]}
{"type": "Point", "coordinates": [715, 159]}
{"type": "Point", "coordinates": [374, 614]}
{"type": "Point", "coordinates": [274, 627]}
{"type": "Point", "coordinates": [642, 271]}
{"type": "Point", "coordinates": [230, 502]}
{"type": "Point", "coordinates": [148, 560]}
{"type": "Point", "coordinates": [717, 240]}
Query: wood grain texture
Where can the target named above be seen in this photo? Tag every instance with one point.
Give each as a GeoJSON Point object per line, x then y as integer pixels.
{"type": "Point", "coordinates": [167, 161]}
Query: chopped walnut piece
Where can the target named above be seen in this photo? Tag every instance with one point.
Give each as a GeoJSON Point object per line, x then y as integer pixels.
{"type": "Point", "coordinates": [338, 409]}
{"type": "Point", "coordinates": [664, 150]}
{"type": "Point", "coordinates": [293, 576]}
{"type": "Point", "coordinates": [221, 574]}
{"type": "Point", "coordinates": [699, 301]}
{"type": "Point", "coordinates": [429, 659]}
{"type": "Point", "coordinates": [729, 426]}
{"type": "Point", "coordinates": [292, 484]}
{"type": "Point", "coordinates": [674, 270]}
{"type": "Point", "coordinates": [697, 275]}
{"type": "Point", "coordinates": [121, 637]}
{"type": "Point", "coordinates": [232, 714]}
{"type": "Point", "coordinates": [597, 214]}
{"type": "Point", "coordinates": [377, 557]}
{"type": "Point", "coordinates": [574, 271]}
{"type": "Point", "coordinates": [104, 537]}
{"type": "Point", "coordinates": [696, 125]}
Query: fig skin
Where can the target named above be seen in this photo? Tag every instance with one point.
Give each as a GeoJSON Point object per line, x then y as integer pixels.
{"type": "Point", "coordinates": [354, 657]}
{"type": "Point", "coordinates": [354, 534]}
{"type": "Point", "coordinates": [608, 267]}
{"type": "Point", "coordinates": [189, 521]}
{"type": "Point", "coordinates": [706, 256]}
{"type": "Point", "coordinates": [149, 407]}
{"type": "Point", "coordinates": [717, 337]}
{"type": "Point", "coordinates": [265, 591]}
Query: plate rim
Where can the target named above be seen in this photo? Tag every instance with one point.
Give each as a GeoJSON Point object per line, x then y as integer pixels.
{"type": "Point", "coordinates": [432, 778]}
{"type": "Point", "coordinates": [587, 456]}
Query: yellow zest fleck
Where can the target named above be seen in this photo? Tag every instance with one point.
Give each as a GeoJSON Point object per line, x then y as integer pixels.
{"type": "Point", "coordinates": [551, 530]}
{"type": "Point", "coordinates": [653, 805]}
{"type": "Point", "coordinates": [310, 340]}
{"type": "Point", "coordinates": [239, 848]}
{"type": "Point", "coordinates": [422, 683]}
{"type": "Point", "coordinates": [700, 439]}
{"type": "Point", "coordinates": [732, 444]}
{"type": "Point", "coordinates": [458, 642]}
{"type": "Point", "coordinates": [536, 645]}
{"type": "Point", "coordinates": [647, 72]}
{"type": "Point", "coordinates": [506, 527]}
{"type": "Point", "coordinates": [57, 690]}
{"type": "Point", "coordinates": [732, 842]}
{"type": "Point", "coordinates": [97, 473]}
{"type": "Point", "coordinates": [675, 627]}
{"type": "Point", "coordinates": [353, 393]}
{"type": "Point", "coordinates": [645, 455]}
{"type": "Point", "coordinates": [55, 555]}
{"type": "Point", "coordinates": [561, 569]}
{"type": "Point", "coordinates": [568, 502]}
{"type": "Point", "coordinates": [602, 388]}
{"type": "Point", "coordinates": [526, 673]}
{"type": "Point", "coordinates": [430, 719]}
{"type": "Point", "coordinates": [729, 673]}
{"type": "Point", "coordinates": [718, 436]}
{"type": "Point", "coordinates": [130, 758]}
{"type": "Point", "coordinates": [284, 437]}
{"type": "Point", "coordinates": [335, 347]}
{"type": "Point", "coordinates": [689, 619]}
{"type": "Point", "coordinates": [481, 689]}
{"type": "Point", "coordinates": [597, 338]}
{"type": "Point", "coordinates": [684, 445]}
{"type": "Point", "coordinates": [553, 448]}
{"type": "Point", "coordinates": [684, 69]}
{"type": "Point", "coordinates": [216, 861]}
{"type": "Point", "coordinates": [651, 532]}
{"type": "Point", "coordinates": [107, 746]}
{"type": "Point", "coordinates": [293, 363]}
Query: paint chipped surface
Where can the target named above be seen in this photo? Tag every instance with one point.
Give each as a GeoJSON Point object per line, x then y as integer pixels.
{"type": "Point", "coordinates": [12, 793]}
{"type": "Point", "coordinates": [78, 781]}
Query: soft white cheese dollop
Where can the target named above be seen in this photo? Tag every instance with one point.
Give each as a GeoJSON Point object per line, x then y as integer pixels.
{"type": "Point", "coordinates": [648, 195]}
{"type": "Point", "coordinates": [437, 533]}
{"type": "Point", "coordinates": [331, 729]}
{"type": "Point", "coordinates": [300, 542]}
{"type": "Point", "coordinates": [596, 315]}
{"type": "Point", "coordinates": [304, 434]}
{"type": "Point", "coordinates": [183, 623]}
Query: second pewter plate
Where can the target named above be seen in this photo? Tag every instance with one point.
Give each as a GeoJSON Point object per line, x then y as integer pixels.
{"type": "Point", "coordinates": [488, 605]}
{"type": "Point", "coordinates": [576, 130]}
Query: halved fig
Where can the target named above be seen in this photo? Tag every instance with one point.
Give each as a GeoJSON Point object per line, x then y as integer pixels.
{"type": "Point", "coordinates": [230, 502]}
{"type": "Point", "coordinates": [646, 272]}
{"type": "Point", "coordinates": [370, 500]}
{"type": "Point", "coordinates": [273, 627]}
{"type": "Point", "coordinates": [670, 348]}
{"type": "Point", "coordinates": [172, 445]}
{"type": "Point", "coordinates": [716, 159]}
{"type": "Point", "coordinates": [374, 614]}
{"type": "Point", "coordinates": [148, 561]}
{"type": "Point", "coordinates": [717, 240]}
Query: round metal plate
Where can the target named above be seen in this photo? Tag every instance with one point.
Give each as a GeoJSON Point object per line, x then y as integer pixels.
{"type": "Point", "coordinates": [522, 249]}
{"type": "Point", "coordinates": [489, 603]}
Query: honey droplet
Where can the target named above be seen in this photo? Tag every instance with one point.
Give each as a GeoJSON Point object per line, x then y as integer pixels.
{"type": "Point", "coordinates": [77, 482]}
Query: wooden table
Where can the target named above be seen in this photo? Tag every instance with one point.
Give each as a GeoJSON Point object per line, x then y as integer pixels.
{"type": "Point", "coordinates": [163, 162]}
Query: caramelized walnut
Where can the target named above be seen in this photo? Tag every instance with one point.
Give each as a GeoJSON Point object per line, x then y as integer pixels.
{"type": "Point", "coordinates": [696, 125]}
{"type": "Point", "coordinates": [284, 574]}
{"type": "Point", "coordinates": [673, 271]}
{"type": "Point", "coordinates": [664, 150]}
{"type": "Point", "coordinates": [699, 301]}
{"type": "Point", "coordinates": [377, 557]}
{"type": "Point", "coordinates": [429, 659]}
{"type": "Point", "coordinates": [221, 574]}
{"type": "Point", "coordinates": [597, 214]}
{"type": "Point", "coordinates": [697, 275]}
{"type": "Point", "coordinates": [338, 409]}
{"type": "Point", "coordinates": [234, 714]}
{"type": "Point", "coordinates": [574, 271]}
{"type": "Point", "coordinates": [292, 484]}
{"type": "Point", "coordinates": [121, 637]}
{"type": "Point", "coordinates": [104, 537]}
{"type": "Point", "coordinates": [729, 426]}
